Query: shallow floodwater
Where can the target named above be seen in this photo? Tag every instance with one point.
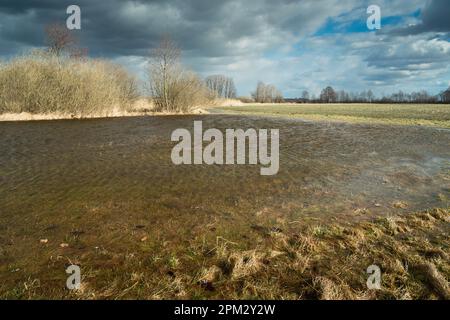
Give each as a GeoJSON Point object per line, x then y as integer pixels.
{"type": "Point", "coordinates": [62, 165]}
{"type": "Point", "coordinates": [99, 183]}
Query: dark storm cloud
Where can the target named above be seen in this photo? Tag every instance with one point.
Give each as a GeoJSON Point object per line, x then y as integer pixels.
{"type": "Point", "coordinates": [121, 27]}
{"type": "Point", "coordinates": [24, 6]}
{"type": "Point", "coordinates": [435, 18]}
{"type": "Point", "coordinates": [118, 28]}
{"type": "Point", "coordinates": [22, 22]}
{"type": "Point", "coordinates": [210, 28]}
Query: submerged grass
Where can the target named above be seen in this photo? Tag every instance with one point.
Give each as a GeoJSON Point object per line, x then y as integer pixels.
{"type": "Point", "coordinates": [314, 260]}
{"type": "Point", "coordinates": [397, 114]}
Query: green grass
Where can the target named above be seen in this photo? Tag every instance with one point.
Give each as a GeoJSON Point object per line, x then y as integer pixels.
{"type": "Point", "coordinates": [397, 114]}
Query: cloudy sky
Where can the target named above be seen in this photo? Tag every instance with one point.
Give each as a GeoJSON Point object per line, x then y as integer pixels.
{"type": "Point", "coordinates": [294, 44]}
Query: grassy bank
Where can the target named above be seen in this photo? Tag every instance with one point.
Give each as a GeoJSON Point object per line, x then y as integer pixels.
{"type": "Point", "coordinates": [427, 115]}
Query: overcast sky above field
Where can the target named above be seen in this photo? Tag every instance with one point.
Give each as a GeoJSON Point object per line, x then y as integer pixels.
{"type": "Point", "coordinates": [295, 45]}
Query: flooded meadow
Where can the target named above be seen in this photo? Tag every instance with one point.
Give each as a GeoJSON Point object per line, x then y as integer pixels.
{"type": "Point", "coordinates": [105, 195]}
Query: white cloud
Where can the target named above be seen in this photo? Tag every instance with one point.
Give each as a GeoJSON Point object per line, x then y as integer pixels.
{"type": "Point", "coordinates": [252, 40]}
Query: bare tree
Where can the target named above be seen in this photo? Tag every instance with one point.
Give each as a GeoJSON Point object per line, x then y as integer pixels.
{"type": "Point", "coordinates": [328, 95]}
{"type": "Point", "coordinates": [343, 96]}
{"type": "Point", "coordinates": [267, 94]}
{"type": "Point", "coordinates": [173, 88]}
{"type": "Point", "coordinates": [370, 96]}
{"type": "Point", "coordinates": [422, 97]}
{"type": "Point", "coordinates": [164, 63]}
{"type": "Point", "coordinates": [445, 96]}
{"type": "Point", "coordinates": [305, 95]}
{"type": "Point", "coordinates": [273, 94]}
{"type": "Point", "coordinates": [278, 96]}
{"type": "Point", "coordinates": [221, 86]}
{"type": "Point", "coordinates": [260, 94]}
{"type": "Point", "coordinates": [59, 39]}
{"type": "Point", "coordinates": [363, 96]}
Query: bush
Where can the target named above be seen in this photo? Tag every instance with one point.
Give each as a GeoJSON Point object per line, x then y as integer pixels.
{"type": "Point", "coordinates": [173, 88]}
{"type": "Point", "coordinates": [44, 83]}
{"type": "Point", "coordinates": [184, 93]}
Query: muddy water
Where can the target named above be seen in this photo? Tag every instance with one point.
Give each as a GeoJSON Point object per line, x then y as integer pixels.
{"type": "Point", "coordinates": [331, 168]}
{"type": "Point", "coordinates": [107, 183]}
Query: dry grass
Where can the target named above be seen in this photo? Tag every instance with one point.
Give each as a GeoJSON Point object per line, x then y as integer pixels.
{"type": "Point", "coordinates": [412, 252]}
{"type": "Point", "coordinates": [326, 261]}
{"type": "Point", "coordinates": [395, 114]}
{"type": "Point", "coordinates": [141, 107]}
{"type": "Point", "coordinates": [41, 83]}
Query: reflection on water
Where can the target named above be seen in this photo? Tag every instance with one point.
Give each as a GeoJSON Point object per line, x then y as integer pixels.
{"type": "Point", "coordinates": [103, 183]}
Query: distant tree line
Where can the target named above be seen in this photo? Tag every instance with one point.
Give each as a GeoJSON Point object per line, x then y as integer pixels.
{"type": "Point", "coordinates": [329, 95]}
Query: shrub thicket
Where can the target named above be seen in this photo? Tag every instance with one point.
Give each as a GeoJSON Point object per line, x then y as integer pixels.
{"type": "Point", "coordinates": [45, 83]}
